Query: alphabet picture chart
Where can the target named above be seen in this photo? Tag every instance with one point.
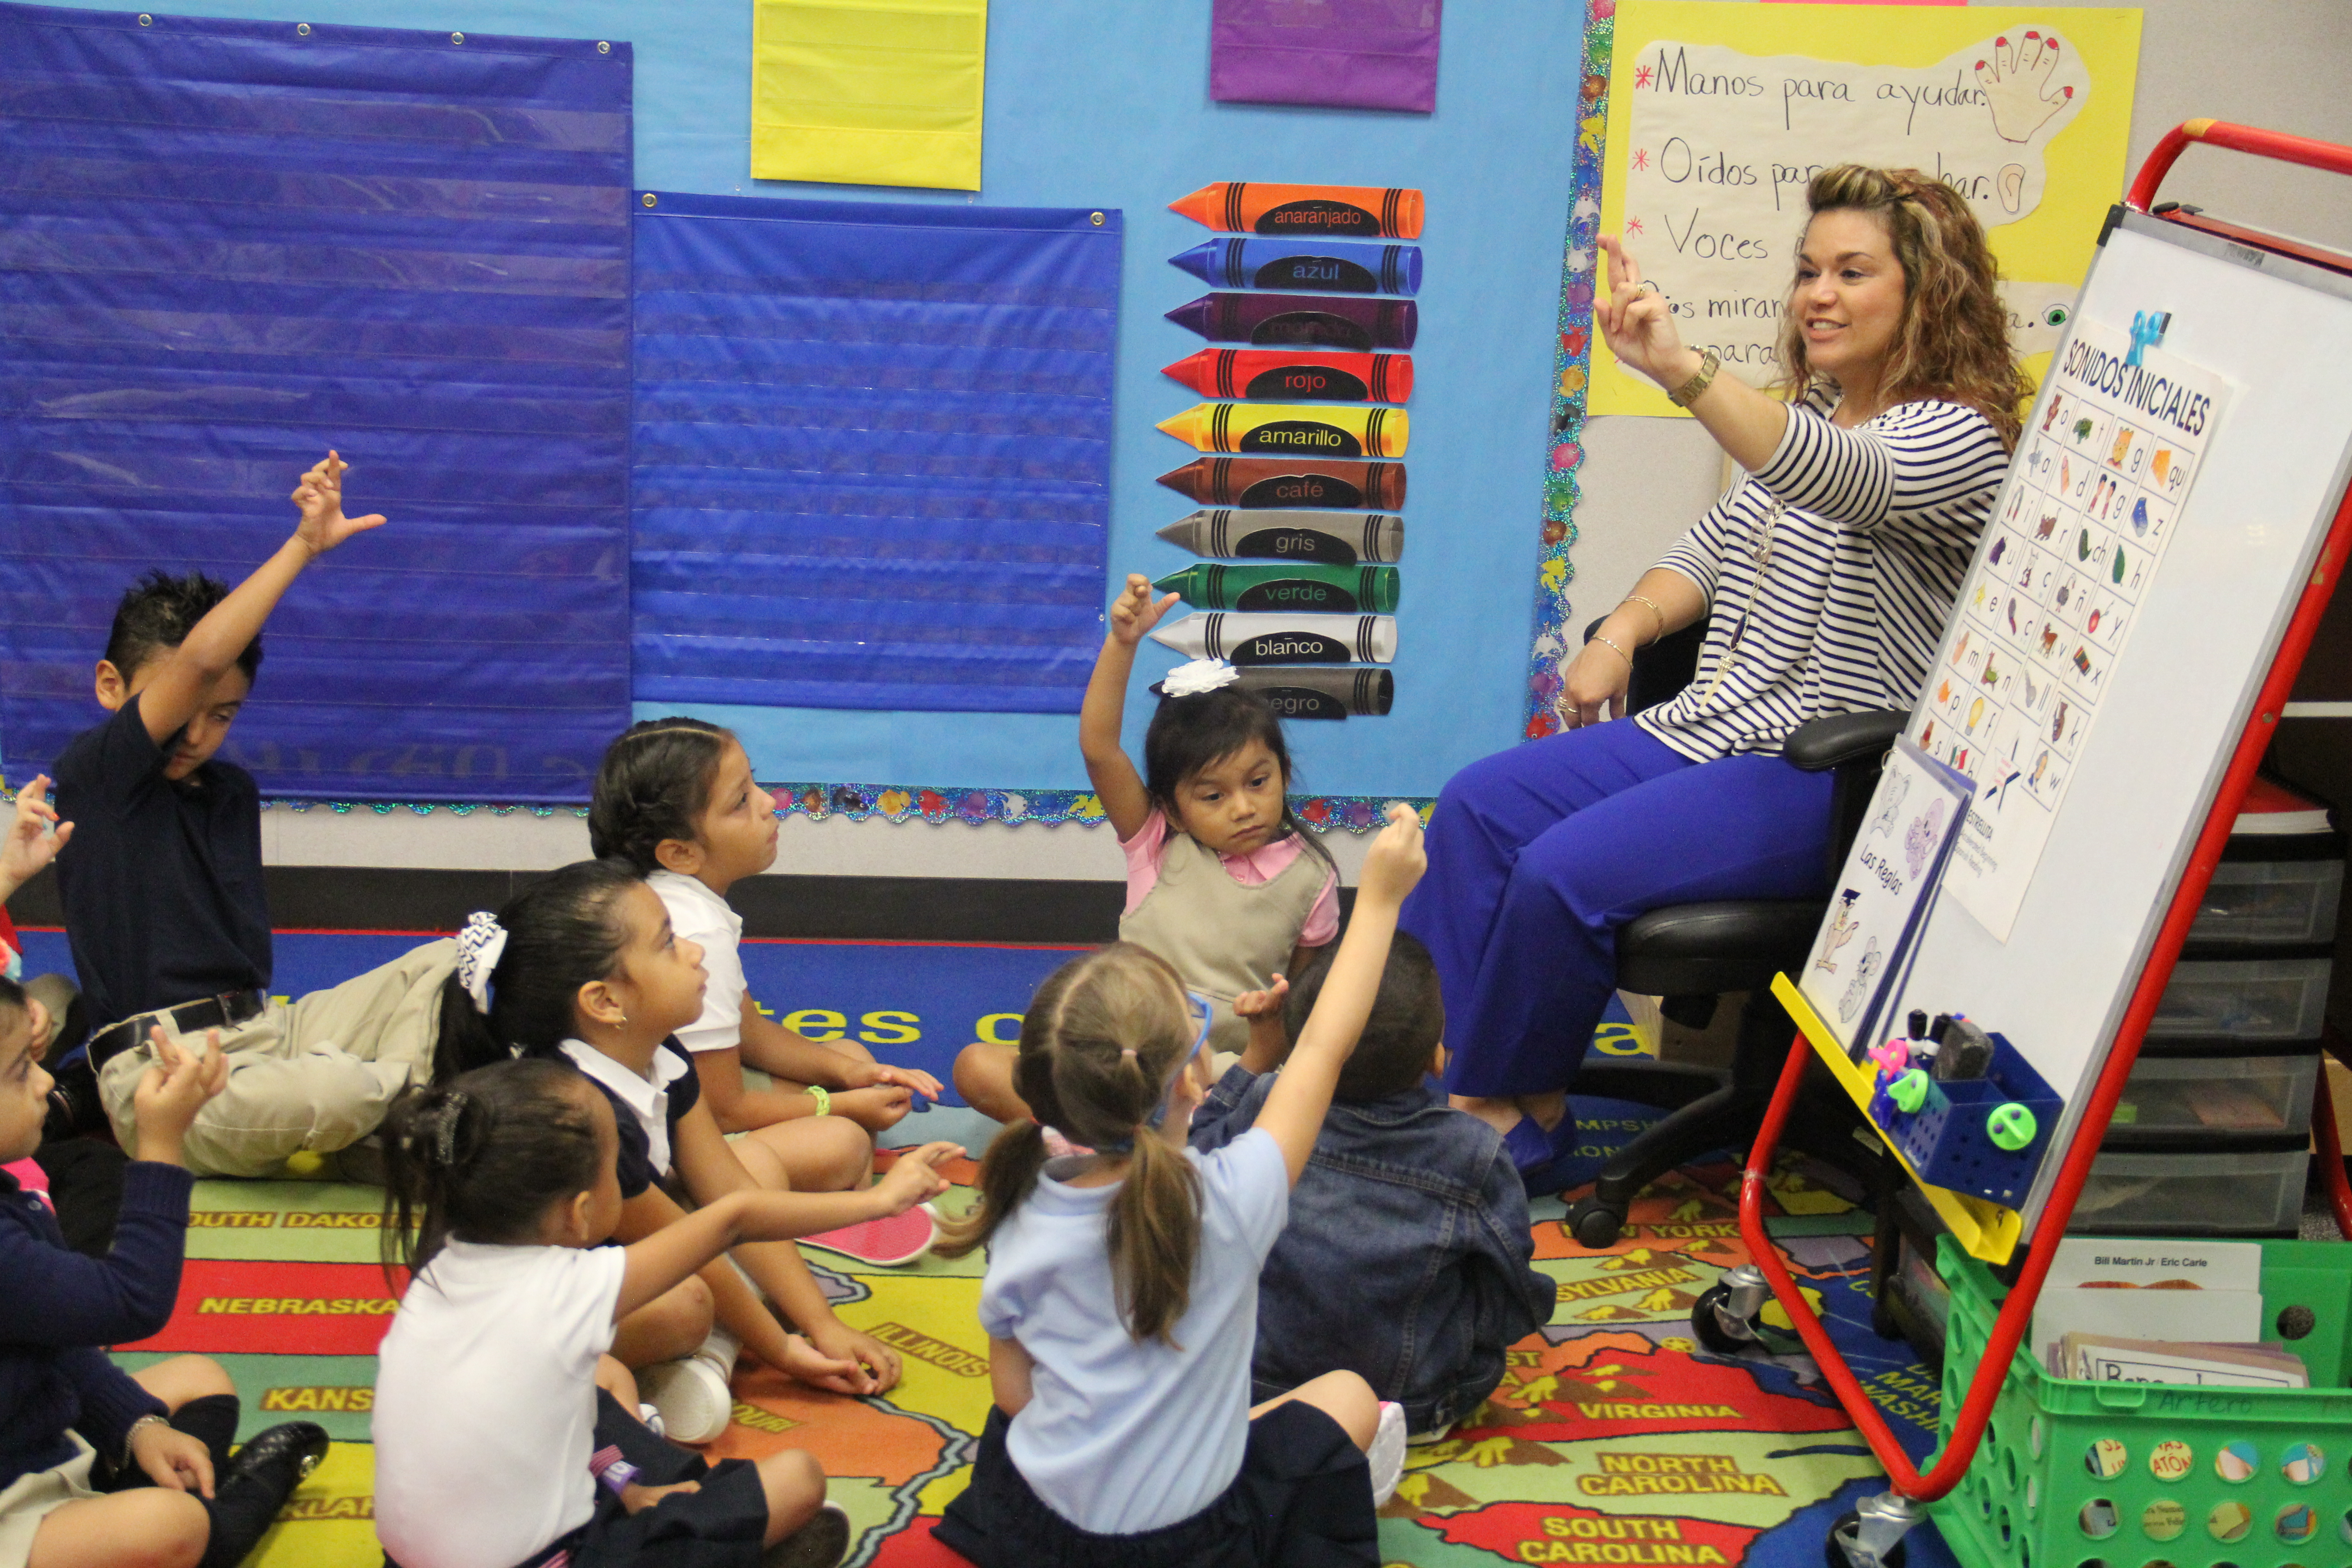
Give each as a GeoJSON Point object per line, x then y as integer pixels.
{"type": "Point", "coordinates": [2079, 532]}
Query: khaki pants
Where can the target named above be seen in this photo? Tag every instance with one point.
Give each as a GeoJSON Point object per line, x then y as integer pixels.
{"type": "Point", "coordinates": [315, 1073]}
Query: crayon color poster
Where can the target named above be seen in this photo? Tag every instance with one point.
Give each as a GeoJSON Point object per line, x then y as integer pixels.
{"type": "Point", "coordinates": [2079, 532]}
{"type": "Point", "coordinates": [1719, 114]}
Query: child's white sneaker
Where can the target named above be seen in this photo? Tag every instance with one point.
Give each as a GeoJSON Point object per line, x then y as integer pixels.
{"type": "Point", "coordinates": [692, 1395]}
{"type": "Point", "coordinates": [1386, 1456]}
{"type": "Point", "coordinates": [822, 1543]}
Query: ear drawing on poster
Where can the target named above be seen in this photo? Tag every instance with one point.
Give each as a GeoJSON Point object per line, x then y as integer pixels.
{"type": "Point", "coordinates": [1712, 144]}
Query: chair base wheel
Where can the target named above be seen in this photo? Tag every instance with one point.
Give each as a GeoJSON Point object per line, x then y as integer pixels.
{"type": "Point", "coordinates": [1845, 1531]}
{"type": "Point", "coordinates": [1709, 1326]}
{"type": "Point", "coordinates": [1594, 1224]}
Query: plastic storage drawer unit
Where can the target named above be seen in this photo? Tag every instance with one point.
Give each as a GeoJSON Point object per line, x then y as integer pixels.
{"type": "Point", "coordinates": [2277, 901]}
{"type": "Point", "coordinates": [2244, 1191]}
{"type": "Point", "coordinates": [2201, 1099]}
{"type": "Point", "coordinates": [2245, 999]}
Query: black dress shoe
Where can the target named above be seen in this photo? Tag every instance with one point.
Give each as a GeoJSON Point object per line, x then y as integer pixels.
{"type": "Point", "coordinates": [264, 1474]}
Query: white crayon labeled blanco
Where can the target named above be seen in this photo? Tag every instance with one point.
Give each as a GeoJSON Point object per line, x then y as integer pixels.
{"type": "Point", "coordinates": [1267, 639]}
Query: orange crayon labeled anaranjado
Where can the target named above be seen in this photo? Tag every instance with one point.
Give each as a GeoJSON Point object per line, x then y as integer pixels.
{"type": "Point", "coordinates": [1241, 207]}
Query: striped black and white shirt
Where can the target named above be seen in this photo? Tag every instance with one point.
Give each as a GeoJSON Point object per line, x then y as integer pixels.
{"type": "Point", "coordinates": [1875, 527]}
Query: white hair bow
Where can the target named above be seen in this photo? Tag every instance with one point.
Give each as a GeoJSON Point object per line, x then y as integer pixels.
{"type": "Point", "coordinates": [1198, 676]}
{"type": "Point", "coordinates": [479, 943]}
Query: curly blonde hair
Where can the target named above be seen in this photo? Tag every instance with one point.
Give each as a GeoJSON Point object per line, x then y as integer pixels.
{"type": "Point", "coordinates": [1953, 343]}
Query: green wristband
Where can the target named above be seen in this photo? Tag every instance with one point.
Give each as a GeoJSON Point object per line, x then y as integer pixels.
{"type": "Point", "coordinates": [823, 1100]}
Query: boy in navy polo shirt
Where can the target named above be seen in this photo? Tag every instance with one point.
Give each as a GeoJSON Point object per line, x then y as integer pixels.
{"type": "Point", "coordinates": [161, 882]}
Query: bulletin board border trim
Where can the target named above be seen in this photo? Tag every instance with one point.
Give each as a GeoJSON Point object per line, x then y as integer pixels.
{"type": "Point", "coordinates": [1573, 373]}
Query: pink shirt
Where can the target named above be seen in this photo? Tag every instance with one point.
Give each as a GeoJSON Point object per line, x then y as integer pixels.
{"type": "Point", "coordinates": [1149, 847]}
{"type": "Point", "coordinates": [31, 1178]}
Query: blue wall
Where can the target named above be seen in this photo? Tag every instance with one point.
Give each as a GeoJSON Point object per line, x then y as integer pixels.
{"type": "Point", "coordinates": [1105, 103]}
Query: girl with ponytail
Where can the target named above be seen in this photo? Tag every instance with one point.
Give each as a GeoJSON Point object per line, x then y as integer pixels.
{"type": "Point", "coordinates": [505, 1433]}
{"type": "Point", "coordinates": [582, 966]}
{"type": "Point", "coordinates": [1121, 1296]}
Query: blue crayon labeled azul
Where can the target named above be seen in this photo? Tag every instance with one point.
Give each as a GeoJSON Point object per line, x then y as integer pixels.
{"type": "Point", "coordinates": [1323, 265]}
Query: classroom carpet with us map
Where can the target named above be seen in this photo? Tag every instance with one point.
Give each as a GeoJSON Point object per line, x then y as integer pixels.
{"type": "Point", "coordinates": [1614, 1439]}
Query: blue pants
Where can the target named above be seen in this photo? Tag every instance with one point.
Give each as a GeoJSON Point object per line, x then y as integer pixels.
{"type": "Point", "coordinates": [1538, 854]}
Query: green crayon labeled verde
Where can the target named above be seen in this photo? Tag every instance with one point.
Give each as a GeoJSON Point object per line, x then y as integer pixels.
{"type": "Point", "coordinates": [1299, 586]}
{"type": "Point", "coordinates": [1328, 538]}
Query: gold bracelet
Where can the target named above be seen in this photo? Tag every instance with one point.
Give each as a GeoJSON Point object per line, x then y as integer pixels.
{"type": "Point", "coordinates": [1642, 599]}
{"type": "Point", "coordinates": [1683, 396]}
{"type": "Point", "coordinates": [1613, 648]}
{"type": "Point", "coordinates": [823, 1100]}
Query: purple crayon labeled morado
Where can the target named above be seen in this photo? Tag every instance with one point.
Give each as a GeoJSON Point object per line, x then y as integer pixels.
{"type": "Point", "coordinates": [1317, 321]}
{"type": "Point", "coordinates": [1288, 481]}
{"type": "Point", "coordinates": [1328, 538]}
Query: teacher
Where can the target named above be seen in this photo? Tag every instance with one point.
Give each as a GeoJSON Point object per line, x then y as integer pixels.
{"type": "Point", "coordinates": [1827, 571]}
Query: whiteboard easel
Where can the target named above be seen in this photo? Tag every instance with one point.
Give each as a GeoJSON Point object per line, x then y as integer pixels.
{"type": "Point", "coordinates": [2281, 329]}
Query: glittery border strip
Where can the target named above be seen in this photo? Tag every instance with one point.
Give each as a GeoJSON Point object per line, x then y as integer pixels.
{"type": "Point", "coordinates": [1573, 366]}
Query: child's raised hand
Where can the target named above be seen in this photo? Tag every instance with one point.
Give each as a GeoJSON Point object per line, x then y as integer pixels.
{"type": "Point", "coordinates": [320, 495]}
{"type": "Point", "coordinates": [1396, 860]}
{"type": "Point", "coordinates": [912, 1179]}
{"type": "Point", "coordinates": [30, 845]}
{"type": "Point", "coordinates": [173, 1091]}
{"type": "Point", "coordinates": [1265, 1004]}
{"type": "Point", "coordinates": [1132, 614]}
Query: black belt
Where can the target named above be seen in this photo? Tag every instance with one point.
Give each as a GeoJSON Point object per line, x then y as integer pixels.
{"type": "Point", "coordinates": [221, 1012]}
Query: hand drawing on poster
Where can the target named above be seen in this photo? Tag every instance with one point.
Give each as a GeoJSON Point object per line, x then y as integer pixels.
{"type": "Point", "coordinates": [1719, 120]}
{"type": "Point", "coordinates": [1883, 893]}
{"type": "Point", "coordinates": [2079, 532]}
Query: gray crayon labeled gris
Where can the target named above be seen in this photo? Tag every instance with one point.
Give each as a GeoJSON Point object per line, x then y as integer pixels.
{"type": "Point", "coordinates": [1244, 637]}
{"type": "Point", "coordinates": [1332, 538]}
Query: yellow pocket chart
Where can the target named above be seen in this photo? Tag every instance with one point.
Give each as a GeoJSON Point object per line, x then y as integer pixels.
{"type": "Point", "coordinates": [877, 93]}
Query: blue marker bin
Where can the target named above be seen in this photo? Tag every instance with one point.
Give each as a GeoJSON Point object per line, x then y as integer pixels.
{"type": "Point", "coordinates": [1945, 1139]}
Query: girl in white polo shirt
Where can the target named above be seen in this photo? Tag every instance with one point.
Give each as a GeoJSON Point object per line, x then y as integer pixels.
{"type": "Point", "coordinates": [498, 1440]}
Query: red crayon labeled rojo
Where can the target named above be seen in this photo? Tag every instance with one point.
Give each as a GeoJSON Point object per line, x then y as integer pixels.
{"type": "Point", "coordinates": [1282, 374]}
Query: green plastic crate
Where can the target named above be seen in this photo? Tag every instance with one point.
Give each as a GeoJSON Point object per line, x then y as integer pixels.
{"type": "Point", "coordinates": [2086, 1475]}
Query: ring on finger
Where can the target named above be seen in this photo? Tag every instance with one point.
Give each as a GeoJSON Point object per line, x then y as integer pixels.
{"type": "Point", "coordinates": [1650, 284]}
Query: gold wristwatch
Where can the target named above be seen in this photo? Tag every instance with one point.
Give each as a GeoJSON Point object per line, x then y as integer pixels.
{"type": "Point", "coordinates": [1683, 396]}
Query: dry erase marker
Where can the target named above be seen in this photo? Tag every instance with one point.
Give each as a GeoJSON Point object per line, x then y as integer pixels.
{"type": "Point", "coordinates": [1319, 320]}
{"type": "Point", "coordinates": [1337, 267]}
{"type": "Point", "coordinates": [1282, 639]}
{"type": "Point", "coordinates": [1321, 691]}
{"type": "Point", "coordinates": [1327, 432]}
{"type": "Point", "coordinates": [1286, 374]}
{"type": "Point", "coordinates": [1240, 207]}
{"type": "Point", "coordinates": [1327, 537]}
{"type": "Point", "coordinates": [1289, 481]}
{"type": "Point", "coordinates": [1334, 589]}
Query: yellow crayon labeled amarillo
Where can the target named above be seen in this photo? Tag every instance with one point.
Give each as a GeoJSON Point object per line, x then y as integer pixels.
{"type": "Point", "coordinates": [1321, 430]}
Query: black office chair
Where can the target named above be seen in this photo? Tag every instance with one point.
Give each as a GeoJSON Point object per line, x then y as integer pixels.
{"type": "Point", "coordinates": [1691, 954]}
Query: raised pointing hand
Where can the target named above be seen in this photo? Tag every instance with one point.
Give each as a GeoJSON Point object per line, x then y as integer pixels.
{"type": "Point", "coordinates": [320, 495]}
{"type": "Point", "coordinates": [1132, 614]}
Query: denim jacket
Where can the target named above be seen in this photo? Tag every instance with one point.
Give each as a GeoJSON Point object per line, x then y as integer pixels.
{"type": "Point", "coordinates": [1406, 1258]}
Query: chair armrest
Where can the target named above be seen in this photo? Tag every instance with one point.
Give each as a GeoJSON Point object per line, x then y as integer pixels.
{"type": "Point", "coordinates": [1836, 739]}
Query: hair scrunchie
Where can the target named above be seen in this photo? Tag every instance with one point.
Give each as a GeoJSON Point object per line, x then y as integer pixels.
{"type": "Point", "coordinates": [479, 943]}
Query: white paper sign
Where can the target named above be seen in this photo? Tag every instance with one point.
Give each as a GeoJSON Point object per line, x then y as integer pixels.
{"type": "Point", "coordinates": [1723, 143]}
{"type": "Point", "coordinates": [2045, 616]}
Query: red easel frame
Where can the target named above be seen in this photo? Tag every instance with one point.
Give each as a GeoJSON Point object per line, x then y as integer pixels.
{"type": "Point", "coordinates": [2017, 1312]}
